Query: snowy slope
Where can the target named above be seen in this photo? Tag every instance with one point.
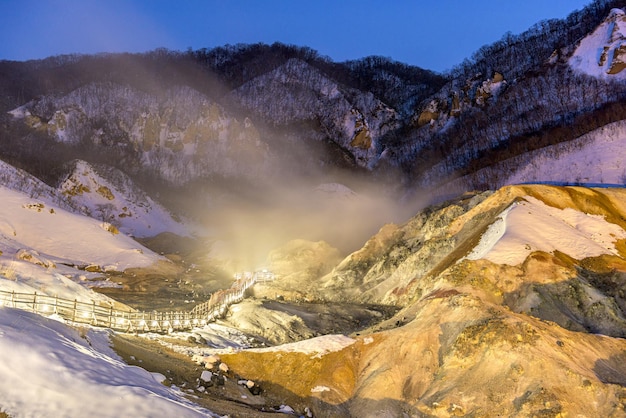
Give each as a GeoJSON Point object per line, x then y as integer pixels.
{"type": "Point", "coordinates": [597, 157]}
{"type": "Point", "coordinates": [21, 181]}
{"type": "Point", "coordinates": [531, 225]}
{"type": "Point", "coordinates": [603, 52]}
{"type": "Point", "coordinates": [114, 197]}
{"type": "Point", "coordinates": [55, 372]}
{"type": "Point", "coordinates": [64, 237]}
{"type": "Point", "coordinates": [45, 249]}
{"type": "Point", "coordinates": [100, 193]}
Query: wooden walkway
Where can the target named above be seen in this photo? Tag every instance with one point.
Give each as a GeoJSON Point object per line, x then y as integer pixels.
{"type": "Point", "coordinates": [105, 315]}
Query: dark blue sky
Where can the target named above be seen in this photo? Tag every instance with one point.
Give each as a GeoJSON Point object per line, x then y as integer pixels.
{"type": "Point", "coordinates": [431, 34]}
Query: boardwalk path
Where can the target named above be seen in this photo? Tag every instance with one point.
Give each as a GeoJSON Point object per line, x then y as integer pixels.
{"type": "Point", "coordinates": [105, 315]}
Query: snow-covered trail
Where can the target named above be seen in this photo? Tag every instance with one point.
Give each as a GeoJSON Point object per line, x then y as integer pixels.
{"type": "Point", "coordinates": [51, 370]}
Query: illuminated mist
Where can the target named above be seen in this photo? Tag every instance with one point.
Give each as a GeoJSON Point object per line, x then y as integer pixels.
{"type": "Point", "coordinates": [247, 229]}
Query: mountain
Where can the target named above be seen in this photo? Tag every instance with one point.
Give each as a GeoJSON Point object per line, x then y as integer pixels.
{"type": "Point", "coordinates": [111, 197]}
{"type": "Point", "coordinates": [257, 115]}
{"type": "Point", "coordinates": [108, 194]}
{"type": "Point", "coordinates": [49, 250]}
{"type": "Point", "coordinates": [510, 304]}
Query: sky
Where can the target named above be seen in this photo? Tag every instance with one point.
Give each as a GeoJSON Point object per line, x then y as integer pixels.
{"type": "Point", "coordinates": [435, 35]}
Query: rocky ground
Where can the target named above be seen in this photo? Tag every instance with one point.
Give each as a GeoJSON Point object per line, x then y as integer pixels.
{"type": "Point", "coordinates": [458, 335]}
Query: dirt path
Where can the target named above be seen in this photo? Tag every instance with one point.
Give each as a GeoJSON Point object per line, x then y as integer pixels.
{"type": "Point", "coordinates": [230, 399]}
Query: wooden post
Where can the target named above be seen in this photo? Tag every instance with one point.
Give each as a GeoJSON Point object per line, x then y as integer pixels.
{"type": "Point", "coordinates": [74, 311]}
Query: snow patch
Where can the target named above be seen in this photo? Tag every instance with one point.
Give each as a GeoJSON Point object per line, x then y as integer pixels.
{"type": "Point", "coordinates": [531, 225]}
{"type": "Point", "coordinates": [600, 53]}
{"type": "Point", "coordinates": [318, 346]}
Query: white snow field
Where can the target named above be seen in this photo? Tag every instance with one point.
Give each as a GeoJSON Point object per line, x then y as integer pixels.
{"type": "Point", "coordinates": [594, 158]}
{"type": "Point", "coordinates": [64, 237]}
{"type": "Point", "coordinates": [596, 52]}
{"type": "Point", "coordinates": [531, 225]}
{"type": "Point", "coordinates": [44, 248]}
{"type": "Point", "coordinates": [51, 370]}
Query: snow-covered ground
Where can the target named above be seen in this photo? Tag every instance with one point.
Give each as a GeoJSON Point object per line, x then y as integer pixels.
{"type": "Point", "coordinates": [531, 225]}
{"type": "Point", "coordinates": [46, 249]}
{"type": "Point", "coordinates": [51, 370]}
{"type": "Point", "coordinates": [597, 53]}
{"type": "Point", "coordinates": [316, 347]}
{"type": "Point", "coordinates": [64, 237]}
{"type": "Point", "coordinates": [597, 157]}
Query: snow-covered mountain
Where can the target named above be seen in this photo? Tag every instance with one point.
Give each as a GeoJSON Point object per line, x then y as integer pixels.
{"type": "Point", "coordinates": [296, 93]}
{"type": "Point", "coordinates": [178, 136]}
{"type": "Point", "coordinates": [259, 113]}
{"type": "Point", "coordinates": [106, 195]}
{"type": "Point", "coordinates": [595, 158]}
{"type": "Point", "coordinates": [113, 197]}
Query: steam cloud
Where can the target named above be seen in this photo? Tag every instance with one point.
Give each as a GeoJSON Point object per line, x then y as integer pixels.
{"type": "Point", "coordinates": [248, 228]}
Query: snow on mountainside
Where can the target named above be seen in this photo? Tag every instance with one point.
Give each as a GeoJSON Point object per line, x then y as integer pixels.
{"type": "Point", "coordinates": [46, 249]}
{"type": "Point", "coordinates": [596, 158]}
{"type": "Point", "coordinates": [21, 181]}
{"type": "Point", "coordinates": [105, 194]}
{"type": "Point", "coordinates": [51, 370]}
{"type": "Point", "coordinates": [603, 52]}
{"type": "Point", "coordinates": [116, 199]}
{"type": "Point", "coordinates": [531, 225]}
{"type": "Point", "coordinates": [180, 134]}
{"type": "Point", "coordinates": [296, 92]}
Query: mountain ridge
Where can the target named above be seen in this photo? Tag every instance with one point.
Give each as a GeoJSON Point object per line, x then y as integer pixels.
{"type": "Point", "coordinates": [286, 110]}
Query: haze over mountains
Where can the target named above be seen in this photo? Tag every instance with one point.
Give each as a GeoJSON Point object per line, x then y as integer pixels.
{"type": "Point", "coordinates": [497, 299]}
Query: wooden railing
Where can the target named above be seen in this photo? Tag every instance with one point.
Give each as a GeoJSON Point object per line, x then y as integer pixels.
{"type": "Point", "coordinates": [104, 314]}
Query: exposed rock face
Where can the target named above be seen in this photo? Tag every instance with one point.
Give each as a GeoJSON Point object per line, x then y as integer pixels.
{"type": "Point", "coordinates": [181, 135]}
{"type": "Point", "coordinates": [109, 195]}
{"type": "Point", "coordinates": [429, 114]}
{"type": "Point", "coordinates": [297, 93]}
{"type": "Point", "coordinates": [473, 337]}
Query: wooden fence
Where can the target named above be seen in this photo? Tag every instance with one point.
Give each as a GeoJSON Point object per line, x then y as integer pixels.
{"type": "Point", "coordinates": [103, 314]}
